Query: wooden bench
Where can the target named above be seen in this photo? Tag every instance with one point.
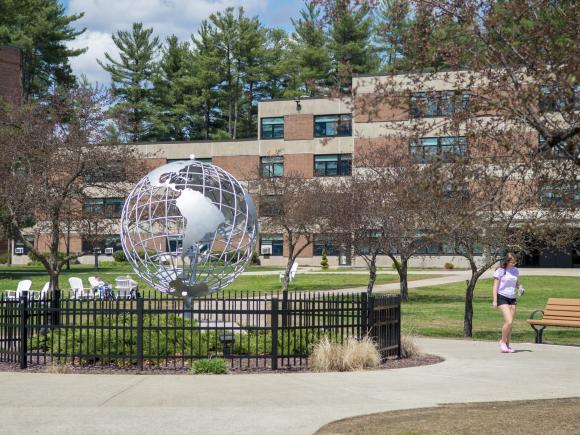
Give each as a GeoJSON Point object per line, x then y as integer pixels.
{"type": "Point", "coordinates": [558, 312]}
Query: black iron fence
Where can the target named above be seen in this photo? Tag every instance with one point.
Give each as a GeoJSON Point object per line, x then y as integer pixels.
{"type": "Point", "coordinates": [251, 330]}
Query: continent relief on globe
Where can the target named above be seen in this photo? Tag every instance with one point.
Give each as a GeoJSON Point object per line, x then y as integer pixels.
{"type": "Point", "coordinates": [201, 217]}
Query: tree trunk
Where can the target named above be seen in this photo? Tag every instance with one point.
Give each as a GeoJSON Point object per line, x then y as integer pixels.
{"type": "Point", "coordinates": [401, 267]}
{"type": "Point", "coordinates": [372, 274]}
{"type": "Point", "coordinates": [468, 317]}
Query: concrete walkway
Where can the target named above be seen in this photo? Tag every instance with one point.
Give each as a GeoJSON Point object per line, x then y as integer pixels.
{"type": "Point", "coordinates": [280, 403]}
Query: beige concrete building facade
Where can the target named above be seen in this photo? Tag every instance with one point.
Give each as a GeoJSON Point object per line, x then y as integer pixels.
{"type": "Point", "coordinates": [319, 137]}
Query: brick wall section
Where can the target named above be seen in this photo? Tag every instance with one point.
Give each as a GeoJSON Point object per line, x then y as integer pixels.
{"type": "Point", "coordinates": [241, 167]}
{"type": "Point", "coordinates": [10, 74]}
{"type": "Point", "coordinates": [43, 243]}
{"type": "Point", "coordinates": [299, 164]}
{"type": "Point", "coordinates": [308, 251]}
{"type": "Point", "coordinates": [298, 127]}
{"type": "Point", "coordinates": [378, 108]}
{"type": "Point", "coordinates": [383, 147]}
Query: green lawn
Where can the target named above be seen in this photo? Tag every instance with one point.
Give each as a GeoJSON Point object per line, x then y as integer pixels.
{"type": "Point", "coordinates": [438, 311]}
{"type": "Point", "coordinates": [9, 277]}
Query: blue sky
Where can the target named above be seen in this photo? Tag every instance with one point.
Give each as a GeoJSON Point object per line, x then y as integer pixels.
{"type": "Point", "coordinates": [180, 17]}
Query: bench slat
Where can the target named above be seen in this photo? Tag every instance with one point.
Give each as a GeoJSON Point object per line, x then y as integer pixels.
{"type": "Point", "coordinates": [572, 308]}
{"type": "Point", "coordinates": [574, 324]}
{"type": "Point", "coordinates": [559, 301]}
{"type": "Point", "coordinates": [564, 313]}
{"type": "Point", "coordinates": [558, 318]}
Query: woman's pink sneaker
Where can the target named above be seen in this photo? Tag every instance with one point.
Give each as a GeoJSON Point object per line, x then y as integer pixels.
{"type": "Point", "coordinates": [503, 347]}
{"type": "Point", "coordinates": [509, 349]}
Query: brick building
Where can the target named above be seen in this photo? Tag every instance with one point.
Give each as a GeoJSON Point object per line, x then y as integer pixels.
{"type": "Point", "coordinates": [318, 137]}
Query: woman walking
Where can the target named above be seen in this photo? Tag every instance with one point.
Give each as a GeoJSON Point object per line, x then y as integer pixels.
{"type": "Point", "coordinates": [505, 283]}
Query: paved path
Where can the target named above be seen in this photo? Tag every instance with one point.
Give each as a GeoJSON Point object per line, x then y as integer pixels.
{"type": "Point", "coordinates": [280, 403]}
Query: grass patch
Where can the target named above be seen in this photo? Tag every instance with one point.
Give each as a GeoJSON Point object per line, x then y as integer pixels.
{"type": "Point", "coordinates": [9, 277]}
{"type": "Point", "coordinates": [438, 311]}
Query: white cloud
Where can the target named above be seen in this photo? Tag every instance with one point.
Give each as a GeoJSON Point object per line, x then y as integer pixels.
{"type": "Point", "coordinates": [105, 17]}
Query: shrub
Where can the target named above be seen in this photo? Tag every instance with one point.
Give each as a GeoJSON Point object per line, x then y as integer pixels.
{"type": "Point", "coordinates": [352, 355]}
{"type": "Point", "coordinates": [449, 266]}
{"type": "Point", "coordinates": [324, 261]}
{"type": "Point", "coordinates": [409, 348]}
{"type": "Point", "coordinates": [120, 256]}
{"type": "Point", "coordinates": [210, 365]}
{"type": "Point", "coordinates": [3, 258]}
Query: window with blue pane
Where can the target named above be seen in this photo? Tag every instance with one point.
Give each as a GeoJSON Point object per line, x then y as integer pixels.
{"type": "Point", "coordinates": [562, 196]}
{"type": "Point", "coordinates": [438, 103]}
{"type": "Point", "coordinates": [558, 152]}
{"type": "Point", "coordinates": [272, 166]}
{"type": "Point", "coordinates": [332, 165]}
{"type": "Point", "coordinates": [428, 149]}
{"type": "Point", "coordinates": [333, 125]}
{"type": "Point", "coordinates": [275, 241]}
{"type": "Point", "coordinates": [19, 248]}
{"type": "Point", "coordinates": [105, 207]}
{"type": "Point", "coordinates": [112, 241]}
{"type": "Point", "coordinates": [272, 128]}
{"type": "Point", "coordinates": [321, 243]}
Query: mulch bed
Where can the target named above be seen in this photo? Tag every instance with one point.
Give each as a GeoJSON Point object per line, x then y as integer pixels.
{"type": "Point", "coordinates": [170, 368]}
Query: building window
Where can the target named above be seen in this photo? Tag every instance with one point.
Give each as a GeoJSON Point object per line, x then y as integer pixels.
{"type": "Point", "coordinates": [104, 207]}
{"type": "Point", "coordinates": [272, 166]}
{"type": "Point", "coordinates": [332, 165]}
{"type": "Point", "coordinates": [428, 149]}
{"type": "Point", "coordinates": [557, 152]}
{"type": "Point", "coordinates": [103, 244]}
{"type": "Point", "coordinates": [558, 101]}
{"type": "Point", "coordinates": [562, 196]}
{"type": "Point", "coordinates": [273, 243]}
{"type": "Point", "coordinates": [272, 128]}
{"type": "Point", "coordinates": [333, 125]}
{"type": "Point", "coordinates": [324, 242]}
{"type": "Point", "coordinates": [19, 248]}
{"type": "Point", "coordinates": [270, 205]}
{"type": "Point", "coordinates": [439, 103]}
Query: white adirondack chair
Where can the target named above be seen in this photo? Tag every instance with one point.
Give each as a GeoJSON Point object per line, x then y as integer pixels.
{"type": "Point", "coordinates": [79, 291]}
{"type": "Point", "coordinates": [40, 295]}
{"type": "Point", "coordinates": [14, 295]}
{"type": "Point", "coordinates": [293, 270]}
{"type": "Point", "coordinates": [125, 288]}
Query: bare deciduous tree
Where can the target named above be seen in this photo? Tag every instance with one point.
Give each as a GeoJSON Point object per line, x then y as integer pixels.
{"type": "Point", "coordinates": [53, 153]}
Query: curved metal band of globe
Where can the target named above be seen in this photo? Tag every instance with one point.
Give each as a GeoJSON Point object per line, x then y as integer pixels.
{"type": "Point", "coordinates": [200, 206]}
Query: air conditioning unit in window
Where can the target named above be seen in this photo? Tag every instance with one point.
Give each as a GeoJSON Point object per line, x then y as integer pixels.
{"type": "Point", "coordinates": [108, 251]}
{"type": "Point", "coordinates": [266, 250]}
{"type": "Point", "coordinates": [19, 251]}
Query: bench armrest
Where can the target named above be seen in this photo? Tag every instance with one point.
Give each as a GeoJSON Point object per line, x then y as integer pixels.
{"type": "Point", "coordinates": [534, 313]}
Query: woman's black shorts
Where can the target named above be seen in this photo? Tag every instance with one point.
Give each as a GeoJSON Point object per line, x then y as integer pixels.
{"type": "Point", "coordinates": [502, 300]}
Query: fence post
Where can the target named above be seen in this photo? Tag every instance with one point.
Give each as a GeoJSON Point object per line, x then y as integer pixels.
{"type": "Point", "coordinates": [274, 323]}
{"type": "Point", "coordinates": [364, 313]}
{"type": "Point", "coordinates": [55, 308]}
{"type": "Point", "coordinates": [371, 315]}
{"type": "Point", "coordinates": [23, 330]}
{"type": "Point", "coordinates": [139, 333]}
{"type": "Point", "coordinates": [398, 326]}
{"type": "Point", "coordinates": [284, 308]}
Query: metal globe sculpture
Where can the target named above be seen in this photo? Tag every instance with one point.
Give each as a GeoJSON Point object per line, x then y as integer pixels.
{"type": "Point", "coordinates": [188, 227]}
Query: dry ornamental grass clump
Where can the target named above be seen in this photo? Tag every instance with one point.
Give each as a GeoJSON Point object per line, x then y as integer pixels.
{"type": "Point", "coordinates": [409, 348]}
{"type": "Point", "coordinates": [352, 355]}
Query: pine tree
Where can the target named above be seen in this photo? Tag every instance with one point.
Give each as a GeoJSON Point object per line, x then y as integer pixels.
{"type": "Point", "coordinates": [310, 49]}
{"type": "Point", "coordinates": [350, 43]}
{"type": "Point", "coordinates": [391, 22]}
{"type": "Point", "coordinates": [172, 118]}
{"type": "Point", "coordinates": [132, 78]}
{"type": "Point", "coordinates": [41, 30]}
